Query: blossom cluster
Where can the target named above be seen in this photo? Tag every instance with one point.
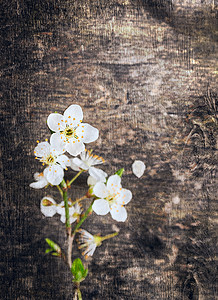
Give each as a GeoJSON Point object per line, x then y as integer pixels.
{"type": "Point", "coordinates": [66, 149]}
{"type": "Point", "coordinates": [69, 136]}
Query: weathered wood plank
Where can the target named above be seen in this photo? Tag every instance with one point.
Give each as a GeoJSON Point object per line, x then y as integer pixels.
{"type": "Point", "coordinates": [145, 74]}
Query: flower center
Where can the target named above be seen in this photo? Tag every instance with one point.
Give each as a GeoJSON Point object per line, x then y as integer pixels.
{"type": "Point", "coordinates": [75, 215]}
{"type": "Point", "coordinates": [70, 133]}
{"type": "Point", "coordinates": [97, 240]}
{"type": "Point", "coordinates": [110, 199]}
{"type": "Point", "coordinates": [49, 160]}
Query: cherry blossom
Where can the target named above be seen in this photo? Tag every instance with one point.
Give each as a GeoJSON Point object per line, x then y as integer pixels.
{"type": "Point", "coordinates": [86, 162]}
{"type": "Point", "coordinates": [69, 129]}
{"type": "Point", "coordinates": [88, 241]}
{"type": "Point", "coordinates": [112, 197]}
{"type": "Point", "coordinates": [74, 212]}
{"type": "Point", "coordinates": [48, 207]}
{"type": "Point", "coordinates": [55, 160]}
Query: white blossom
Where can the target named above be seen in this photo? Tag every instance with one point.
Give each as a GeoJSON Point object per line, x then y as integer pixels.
{"type": "Point", "coordinates": [88, 241]}
{"type": "Point", "coordinates": [138, 168]}
{"type": "Point", "coordinates": [69, 129]}
{"type": "Point", "coordinates": [74, 211]}
{"type": "Point", "coordinates": [55, 160]}
{"type": "Point", "coordinates": [91, 181]}
{"type": "Point", "coordinates": [112, 198]}
{"type": "Point", "coordinates": [48, 207]}
{"type": "Point", "coordinates": [86, 162]}
{"type": "Point", "coordinates": [41, 181]}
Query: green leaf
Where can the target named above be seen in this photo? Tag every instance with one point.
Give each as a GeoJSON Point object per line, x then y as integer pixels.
{"type": "Point", "coordinates": [48, 250]}
{"type": "Point", "coordinates": [55, 254]}
{"type": "Point", "coordinates": [53, 246]}
{"type": "Point", "coordinates": [78, 270]}
{"type": "Point", "coordinates": [120, 172]}
{"type": "Point", "coordinates": [78, 277]}
{"type": "Point", "coordinates": [85, 273]}
{"type": "Point", "coordinates": [77, 265]}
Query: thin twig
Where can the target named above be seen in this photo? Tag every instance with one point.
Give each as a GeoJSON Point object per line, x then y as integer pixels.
{"type": "Point", "coordinates": [80, 199]}
{"type": "Point", "coordinates": [69, 249]}
{"type": "Point", "coordinates": [60, 190]}
{"type": "Point", "coordinates": [75, 177]}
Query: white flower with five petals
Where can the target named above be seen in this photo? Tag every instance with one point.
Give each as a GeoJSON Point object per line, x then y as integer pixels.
{"type": "Point", "coordinates": [86, 162]}
{"type": "Point", "coordinates": [69, 129]}
{"type": "Point", "coordinates": [55, 160]}
{"type": "Point", "coordinates": [112, 198]}
{"type": "Point", "coordinates": [41, 181]}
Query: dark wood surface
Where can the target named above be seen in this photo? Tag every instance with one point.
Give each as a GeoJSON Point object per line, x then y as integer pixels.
{"type": "Point", "coordinates": [145, 74]}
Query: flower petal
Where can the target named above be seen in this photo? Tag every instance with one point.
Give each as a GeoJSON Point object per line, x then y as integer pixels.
{"type": "Point", "coordinates": [57, 143]}
{"type": "Point", "coordinates": [101, 207]}
{"type": "Point", "coordinates": [78, 162]}
{"type": "Point", "coordinates": [56, 122]}
{"type": "Point", "coordinates": [118, 213]}
{"type": "Point", "coordinates": [38, 176]}
{"type": "Point", "coordinates": [87, 133]}
{"type": "Point", "coordinates": [73, 114]}
{"type": "Point", "coordinates": [114, 183]}
{"type": "Point", "coordinates": [98, 174]}
{"type": "Point", "coordinates": [91, 180]}
{"type": "Point", "coordinates": [39, 184]}
{"type": "Point", "coordinates": [78, 208]}
{"type": "Point", "coordinates": [54, 174]}
{"type": "Point", "coordinates": [63, 219]}
{"type": "Point", "coordinates": [90, 249]}
{"type": "Point", "coordinates": [42, 149]}
{"type": "Point", "coordinates": [100, 190]}
{"type": "Point", "coordinates": [63, 160]}
{"type": "Point", "coordinates": [73, 166]}
{"type": "Point", "coordinates": [61, 208]}
{"type": "Point", "coordinates": [124, 196]}
{"type": "Point", "coordinates": [83, 155]}
{"type": "Point", "coordinates": [85, 236]}
{"type": "Point", "coordinates": [75, 148]}
{"type": "Point", "coordinates": [138, 168]}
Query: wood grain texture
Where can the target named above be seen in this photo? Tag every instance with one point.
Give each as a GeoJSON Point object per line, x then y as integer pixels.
{"type": "Point", "coordinates": [145, 74]}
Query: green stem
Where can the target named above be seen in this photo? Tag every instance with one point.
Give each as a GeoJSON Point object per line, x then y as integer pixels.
{"type": "Point", "coordinates": [75, 177]}
{"type": "Point", "coordinates": [88, 211]}
{"type": "Point", "coordinates": [109, 236]}
{"type": "Point", "coordinates": [60, 190]}
{"type": "Point", "coordinates": [65, 198]}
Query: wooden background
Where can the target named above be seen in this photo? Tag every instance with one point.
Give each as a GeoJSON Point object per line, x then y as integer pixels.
{"type": "Point", "coordinates": [145, 74]}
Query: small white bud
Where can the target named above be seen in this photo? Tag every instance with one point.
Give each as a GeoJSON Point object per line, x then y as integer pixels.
{"type": "Point", "coordinates": [48, 207]}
